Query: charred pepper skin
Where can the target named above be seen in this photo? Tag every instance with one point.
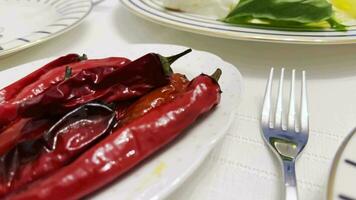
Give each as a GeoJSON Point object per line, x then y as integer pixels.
{"type": "Point", "coordinates": [106, 84]}
{"type": "Point", "coordinates": [44, 78]}
{"type": "Point", "coordinates": [57, 75]}
{"type": "Point", "coordinates": [37, 82]}
{"type": "Point", "coordinates": [72, 135]}
{"type": "Point", "coordinates": [62, 153]}
{"type": "Point", "coordinates": [47, 85]}
{"type": "Point", "coordinates": [127, 146]}
{"type": "Point", "coordinates": [7, 93]}
{"type": "Point", "coordinates": [107, 81]}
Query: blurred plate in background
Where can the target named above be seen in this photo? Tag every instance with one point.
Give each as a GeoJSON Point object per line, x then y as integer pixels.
{"type": "Point", "coordinates": [154, 11]}
{"type": "Point", "coordinates": [342, 181]}
{"type": "Point", "coordinates": [24, 23]}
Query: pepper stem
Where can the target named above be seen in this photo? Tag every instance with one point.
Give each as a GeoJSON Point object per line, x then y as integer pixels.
{"type": "Point", "coordinates": [172, 59]}
{"type": "Point", "coordinates": [68, 72]}
{"type": "Point", "coordinates": [167, 61]}
{"type": "Point", "coordinates": [83, 57]}
{"type": "Point", "coordinates": [216, 75]}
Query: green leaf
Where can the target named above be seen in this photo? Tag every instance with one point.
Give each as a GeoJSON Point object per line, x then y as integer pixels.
{"type": "Point", "coordinates": [281, 12]}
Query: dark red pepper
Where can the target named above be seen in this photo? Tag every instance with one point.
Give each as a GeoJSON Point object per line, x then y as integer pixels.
{"type": "Point", "coordinates": [23, 129]}
{"type": "Point", "coordinates": [127, 146]}
{"type": "Point", "coordinates": [101, 83]}
{"type": "Point", "coordinates": [69, 137]}
{"type": "Point", "coordinates": [56, 75]}
{"type": "Point", "coordinates": [12, 90]}
{"type": "Point", "coordinates": [177, 84]}
{"type": "Point", "coordinates": [88, 74]}
{"type": "Point", "coordinates": [31, 171]}
{"type": "Point", "coordinates": [37, 83]}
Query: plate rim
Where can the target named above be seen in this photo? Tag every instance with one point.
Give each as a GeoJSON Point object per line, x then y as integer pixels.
{"type": "Point", "coordinates": [18, 48]}
{"type": "Point", "coordinates": [332, 174]}
{"type": "Point", "coordinates": [258, 37]}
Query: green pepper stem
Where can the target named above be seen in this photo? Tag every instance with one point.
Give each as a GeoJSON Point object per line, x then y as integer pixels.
{"type": "Point", "coordinates": [167, 61]}
{"type": "Point", "coordinates": [68, 72]}
{"type": "Point", "coordinates": [83, 57]}
{"type": "Point", "coordinates": [172, 59]}
{"type": "Point", "coordinates": [216, 75]}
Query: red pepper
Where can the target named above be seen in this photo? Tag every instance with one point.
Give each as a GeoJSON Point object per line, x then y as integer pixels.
{"type": "Point", "coordinates": [37, 83]}
{"type": "Point", "coordinates": [35, 169]}
{"type": "Point", "coordinates": [69, 137]}
{"type": "Point", "coordinates": [23, 129]}
{"type": "Point", "coordinates": [9, 92]}
{"type": "Point", "coordinates": [57, 75]}
{"type": "Point", "coordinates": [47, 161]}
{"type": "Point", "coordinates": [178, 84]}
{"type": "Point", "coordinates": [28, 172]}
{"type": "Point", "coordinates": [106, 84]}
{"type": "Point", "coordinates": [127, 146]}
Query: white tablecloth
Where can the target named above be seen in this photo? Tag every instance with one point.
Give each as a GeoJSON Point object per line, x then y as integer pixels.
{"type": "Point", "coordinates": [241, 166]}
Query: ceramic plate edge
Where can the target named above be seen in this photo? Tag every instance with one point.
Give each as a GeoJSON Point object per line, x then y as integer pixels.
{"type": "Point", "coordinates": [336, 161]}
{"type": "Point", "coordinates": [271, 39]}
{"type": "Point", "coordinates": [44, 39]}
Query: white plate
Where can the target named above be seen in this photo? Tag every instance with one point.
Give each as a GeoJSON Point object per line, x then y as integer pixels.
{"type": "Point", "coordinates": [153, 11]}
{"type": "Point", "coordinates": [342, 180]}
{"type": "Point", "coordinates": [24, 23]}
{"type": "Point", "coordinates": [159, 176]}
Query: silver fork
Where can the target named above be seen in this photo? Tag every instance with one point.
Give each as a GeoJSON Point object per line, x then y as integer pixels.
{"type": "Point", "coordinates": [286, 137]}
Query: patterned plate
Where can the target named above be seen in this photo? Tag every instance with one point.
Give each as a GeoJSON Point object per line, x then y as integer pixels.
{"type": "Point", "coordinates": [24, 23]}
{"type": "Point", "coordinates": [342, 179]}
{"type": "Point", "coordinates": [154, 11]}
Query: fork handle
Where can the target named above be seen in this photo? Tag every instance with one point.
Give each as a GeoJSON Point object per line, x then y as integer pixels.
{"type": "Point", "coordinates": [290, 180]}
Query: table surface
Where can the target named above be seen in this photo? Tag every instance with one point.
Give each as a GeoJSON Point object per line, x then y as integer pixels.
{"type": "Point", "coordinates": [227, 173]}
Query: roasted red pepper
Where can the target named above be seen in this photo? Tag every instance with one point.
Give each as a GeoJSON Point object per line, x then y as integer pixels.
{"type": "Point", "coordinates": [23, 129]}
{"type": "Point", "coordinates": [106, 84]}
{"type": "Point", "coordinates": [127, 146]}
{"type": "Point", "coordinates": [112, 81]}
{"type": "Point", "coordinates": [37, 83]}
{"type": "Point", "coordinates": [48, 161]}
{"type": "Point", "coordinates": [11, 91]}
{"type": "Point", "coordinates": [57, 75]}
{"type": "Point", "coordinates": [61, 154]}
{"type": "Point", "coordinates": [177, 84]}
{"type": "Point", "coordinates": [73, 134]}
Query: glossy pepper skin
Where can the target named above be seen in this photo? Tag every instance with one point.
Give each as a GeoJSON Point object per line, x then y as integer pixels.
{"type": "Point", "coordinates": [72, 135]}
{"type": "Point", "coordinates": [57, 75]}
{"type": "Point", "coordinates": [36, 83]}
{"type": "Point", "coordinates": [177, 84]}
{"type": "Point", "coordinates": [105, 84]}
{"type": "Point", "coordinates": [44, 78]}
{"type": "Point", "coordinates": [106, 78]}
{"type": "Point", "coordinates": [12, 90]}
{"type": "Point", "coordinates": [127, 146]}
{"type": "Point", "coordinates": [62, 155]}
{"type": "Point", "coordinates": [23, 129]}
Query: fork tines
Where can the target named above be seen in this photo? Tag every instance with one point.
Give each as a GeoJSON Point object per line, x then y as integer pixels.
{"type": "Point", "coordinates": [291, 124]}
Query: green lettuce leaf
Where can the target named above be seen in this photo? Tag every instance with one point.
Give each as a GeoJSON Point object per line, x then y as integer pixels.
{"type": "Point", "coordinates": [284, 13]}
